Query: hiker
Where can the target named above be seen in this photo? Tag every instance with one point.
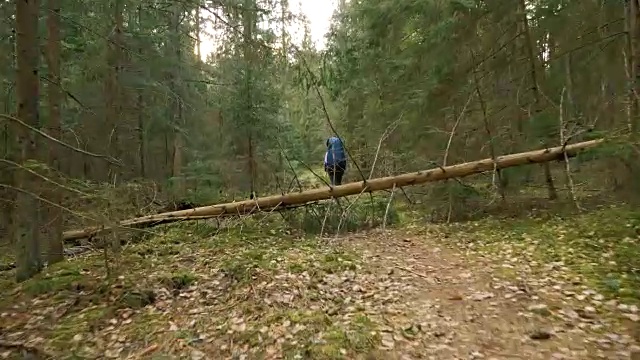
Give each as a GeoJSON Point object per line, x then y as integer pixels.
{"type": "Point", "coordinates": [335, 160]}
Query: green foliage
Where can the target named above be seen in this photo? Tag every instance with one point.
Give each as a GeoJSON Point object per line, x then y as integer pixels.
{"type": "Point", "coordinates": [621, 148]}
{"type": "Point", "coordinates": [247, 83]}
{"type": "Point", "coordinates": [426, 61]}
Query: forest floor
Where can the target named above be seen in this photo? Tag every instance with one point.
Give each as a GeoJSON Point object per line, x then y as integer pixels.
{"type": "Point", "coordinates": [528, 289]}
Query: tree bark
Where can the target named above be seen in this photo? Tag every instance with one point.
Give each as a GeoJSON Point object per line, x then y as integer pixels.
{"type": "Point", "coordinates": [6, 175]}
{"type": "Point", "coordinates": [633, 73]}
{"type": "Point", "coordinates": [142, 145]}
{"type": "Point", "coordinates": [112, 88]}
{"type": "Point", "coordinates": [535, 87]}
{"type": "Point", "coordinates": [487, 128]}
{"type": "Point", "coordinates": [25, 215]}
{"type": "Point", "coordinates": [198, 40]}
{"type": "Point", "coordinates": [55, 246]}
{"type": "Point", "coordinates": [177, 118]}
{"type": "Point", "coordinates": [248, 18]}
{"type": "Point", "coordinates": [633, 64]}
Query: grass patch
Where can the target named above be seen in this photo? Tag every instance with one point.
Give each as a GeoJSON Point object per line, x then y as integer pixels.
{"type": "Point", "coordinates": [602, 245]}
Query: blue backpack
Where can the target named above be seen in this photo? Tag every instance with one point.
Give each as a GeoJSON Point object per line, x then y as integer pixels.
{"type": "Point", "coordinates": [335, 152]}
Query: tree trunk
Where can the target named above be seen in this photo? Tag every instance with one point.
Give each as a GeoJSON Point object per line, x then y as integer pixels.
{"type": "Point", "coordinates": [112, 88]}
{"type": "Point", "coordinates": [55, 246]}
{"type": "Point", "coordinates": [178, 126]}
{"type": "Point", "coordinates": [25, 215]}
{"type": "Point", "coordinates": [248, 25]}
{"type": "Point", "coordinates": [553, 194]}
{"type": "Point", "coordinates": [284, 9]}
{"type": "Point", "coordinates": [252, 167]}
{"type": "Point", "coordinates": [633, 64]}
{"type": "Point", "coordinates": [142, 146]}
{"type": "Point", "coordinates": [487, 128]}
{"type": "Point", "coordinates": [633, 73]}
{"type": "Point", "coordinates": [6, 175]}
{"type": "Point", "coordinates": [198, 42]}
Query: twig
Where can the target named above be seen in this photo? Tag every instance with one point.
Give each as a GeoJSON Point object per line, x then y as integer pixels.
{"type": "Point", "coordinates": [386, 211]}
{"type": "Point", "coordinates": [567, 166]}
{"type": "Point", "coordinates": [446, 151]}
{"type": "Point", "coordinates": [268, 213]}
{"type": "Point", "coordinates": [148, 350]}
{"type": "Point", "coordinates": [344, 213]}
{"type": "Point", "coordinates": [496, 184]}
{"type": "Point", "coordinates": [67, 306]}
{"type": "Point", "coordinates": [453, 130]}
{"type": "Point", "coordinates": [324, 221]}
{"type": "Point", "coordinates": [314, 173]}
{"type": "Point", "coordinates": [407, 196]}
{"type": "Point", "coordinates": [324, 110]}
{"type": "Point", "coordinates": [384, 136]}
{"type": "Point", "coordinates": [36, 196]}
{"type": "Point", "coordinates": [411, 271]}
{"type": "Point", "coordinates": [44, 177]}
{"type": "Point", "coordinates": [22, 123]}
{"type": "Point", "coordinates": [295, 175]}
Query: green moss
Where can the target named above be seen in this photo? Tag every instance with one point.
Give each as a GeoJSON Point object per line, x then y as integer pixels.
{"type": "Point", "coordinates": [55, 281]}
{"type": "Point", "coordinates": [337, 261]}
{"type": "Point", "coordinates": [136, 299]}
{"type": "Point", "coordinates": [80, 323]}
{"type": "Point", "coordinates": [178, 281]}
{"type": "Point", "coordinates": [242, 265]}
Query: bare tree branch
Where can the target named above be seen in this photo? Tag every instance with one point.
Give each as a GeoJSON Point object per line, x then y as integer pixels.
{"type": "Point", "coordinates": [22, 123]}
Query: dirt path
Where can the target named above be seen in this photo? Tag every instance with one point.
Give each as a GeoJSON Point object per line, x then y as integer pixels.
{"type": "Point", "coordinates": [449, 304]}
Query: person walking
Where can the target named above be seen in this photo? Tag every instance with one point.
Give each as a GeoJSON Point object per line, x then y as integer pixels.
{"type": "Point", "coordinates": [335, 160]}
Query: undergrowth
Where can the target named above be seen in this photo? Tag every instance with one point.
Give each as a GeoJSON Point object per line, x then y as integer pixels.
{"type": "Point", "coordinates": [188, 282]}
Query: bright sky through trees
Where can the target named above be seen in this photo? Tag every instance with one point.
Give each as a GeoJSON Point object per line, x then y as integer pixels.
{"type": "Point", "coordinates": [318, 13]}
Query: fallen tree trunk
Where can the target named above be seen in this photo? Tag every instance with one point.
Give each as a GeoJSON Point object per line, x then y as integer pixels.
{"type": "Point", "coordinates": [278, 202]}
